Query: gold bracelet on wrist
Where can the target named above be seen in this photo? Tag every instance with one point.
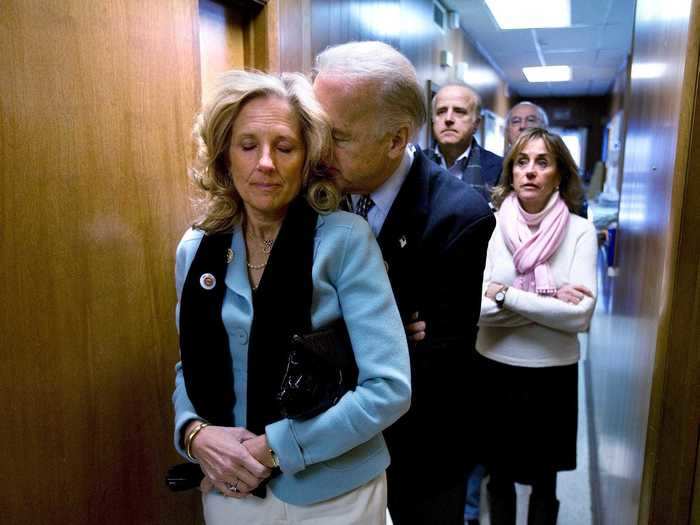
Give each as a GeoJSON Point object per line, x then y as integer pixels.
{"type": "Point", "coordinates": [275, 459]}
{"type": "Point", "coordinates": [190, 438]}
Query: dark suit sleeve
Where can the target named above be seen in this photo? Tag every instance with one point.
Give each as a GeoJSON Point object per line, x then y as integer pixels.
{"type": "Point", "coordinates": [458, 286]}
{"type": "Point", "coordinates": [444, 381]}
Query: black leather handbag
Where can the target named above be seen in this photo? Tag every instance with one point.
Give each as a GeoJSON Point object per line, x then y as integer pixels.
{"type": "Point", "coordinates": [320, 369]}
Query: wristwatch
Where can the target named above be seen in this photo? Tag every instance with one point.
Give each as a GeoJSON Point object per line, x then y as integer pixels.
{"type": "Point", "coordinates": [500, 296]}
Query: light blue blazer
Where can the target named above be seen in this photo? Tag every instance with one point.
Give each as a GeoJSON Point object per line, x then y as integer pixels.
{"type": "Point", "coordinates": [342, 448]}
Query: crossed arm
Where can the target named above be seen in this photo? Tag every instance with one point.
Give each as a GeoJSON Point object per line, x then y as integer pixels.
{"type": "Point", "coordinates": [569, 310]}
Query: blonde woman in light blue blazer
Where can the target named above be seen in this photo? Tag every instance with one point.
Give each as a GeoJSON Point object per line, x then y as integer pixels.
{"type": "Point", "coordinates": [258, 140]}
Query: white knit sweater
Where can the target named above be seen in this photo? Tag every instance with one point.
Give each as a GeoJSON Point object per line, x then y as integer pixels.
{"type": "Point", "coordinates": [533, 330]}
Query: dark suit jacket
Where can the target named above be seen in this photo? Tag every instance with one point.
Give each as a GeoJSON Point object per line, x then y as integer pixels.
{"type": "Point", "coordinates": [491, 164]}
{"type": "Point", "coordinates": [434, 242]}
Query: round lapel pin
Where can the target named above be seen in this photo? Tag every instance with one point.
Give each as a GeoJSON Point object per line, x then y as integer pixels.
{"type": "Point", "coordinates": [207, 281]}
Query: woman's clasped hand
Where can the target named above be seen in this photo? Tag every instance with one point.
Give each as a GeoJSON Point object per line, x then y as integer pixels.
{"type": "Point", "coordinates": [227, 458]}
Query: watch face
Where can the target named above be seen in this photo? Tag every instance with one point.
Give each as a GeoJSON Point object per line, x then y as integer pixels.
{"type": "Point", "coordinates": [500, 298]}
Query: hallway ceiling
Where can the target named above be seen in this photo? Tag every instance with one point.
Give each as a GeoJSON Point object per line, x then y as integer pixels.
{"type": "Point", "coordinates": [595, 46]}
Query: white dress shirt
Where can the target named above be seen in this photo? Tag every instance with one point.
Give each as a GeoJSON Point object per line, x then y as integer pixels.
{"type": "Point", "coordinates": [465, 154]}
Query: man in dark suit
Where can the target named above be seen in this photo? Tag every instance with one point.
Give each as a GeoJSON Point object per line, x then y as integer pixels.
{"type": "Point", "coordinates": [433, 231]}
{"type": "Point", "coordinates": [456, 114]}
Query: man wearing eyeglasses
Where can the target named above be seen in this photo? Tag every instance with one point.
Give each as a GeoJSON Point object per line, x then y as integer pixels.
{"type": "Point", "coordinates": [522, 116]}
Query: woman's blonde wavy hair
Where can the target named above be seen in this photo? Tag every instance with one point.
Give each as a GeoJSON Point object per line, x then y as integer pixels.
{"type": "Point", "coordinates": [220, 204]}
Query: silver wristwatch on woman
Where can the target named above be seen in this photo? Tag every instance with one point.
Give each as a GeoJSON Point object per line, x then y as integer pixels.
{"type": "Point", "coordinates": [500, 296]}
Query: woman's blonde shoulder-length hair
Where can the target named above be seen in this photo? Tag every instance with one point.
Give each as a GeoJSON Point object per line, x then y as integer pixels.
{"type": "Point", "coordinates": [570, 187]}
{"type": "Point", "coordinates": [220, 204]}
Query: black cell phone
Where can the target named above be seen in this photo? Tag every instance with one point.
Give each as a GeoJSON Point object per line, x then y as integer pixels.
{"type": "Point", "coordinates": [184, 476]}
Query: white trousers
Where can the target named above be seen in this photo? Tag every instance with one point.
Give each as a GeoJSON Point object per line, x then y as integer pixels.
{"type": "Point", "coordinates": [366, 505]}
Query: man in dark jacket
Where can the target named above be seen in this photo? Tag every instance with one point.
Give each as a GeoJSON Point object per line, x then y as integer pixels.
{"type": "Point", "coordinates": [433, 231]}
{"type": "Point", "coordinates": [456, 114]}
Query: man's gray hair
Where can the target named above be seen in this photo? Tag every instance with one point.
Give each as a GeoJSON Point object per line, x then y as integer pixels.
{"type": "Point", "coordinates": [472, 91]}
{"type": "Point", "coordinates": [400, 100]}
{"type": "Point", "coordinates": [541, 113]}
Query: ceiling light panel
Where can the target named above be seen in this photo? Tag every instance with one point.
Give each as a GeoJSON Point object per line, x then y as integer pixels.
{"type": "Point", "coordinates": [547, 73]}
{"type": "Point", "coordinates": [516, 14]}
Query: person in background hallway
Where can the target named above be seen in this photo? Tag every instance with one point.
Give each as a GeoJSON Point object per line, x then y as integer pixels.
{"type": "Point", "coordinates": [283, 269]}
{"type": "Point", "coordinates": [539, 292]}
{"type": "Point", "coordinates": [433, 231]}
{"type": "Point", "coordinates": [522, 116]}
{"type": "Point", "coordinates": [456, 113]}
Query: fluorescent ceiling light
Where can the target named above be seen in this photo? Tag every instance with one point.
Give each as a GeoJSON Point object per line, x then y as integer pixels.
{"type": "Point", "coordinates": [518, 14]}
{"type": "Point", "coordinates": [648, 69]}
{"type": "Point", "coordinates": [547, 73]}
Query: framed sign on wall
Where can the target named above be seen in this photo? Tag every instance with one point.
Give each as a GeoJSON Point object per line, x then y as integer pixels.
{"type": "Point", "coordinates": [493, 129]}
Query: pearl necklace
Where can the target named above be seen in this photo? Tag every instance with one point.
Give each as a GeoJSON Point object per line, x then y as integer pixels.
{"type": "Point", "coordinates": [266, 248]}
{"type": "Point", "coordinates": [256, 266]}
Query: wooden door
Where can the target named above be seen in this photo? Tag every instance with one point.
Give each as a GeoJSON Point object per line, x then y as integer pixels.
{"type": "Point", "coordinates": [96, 102]}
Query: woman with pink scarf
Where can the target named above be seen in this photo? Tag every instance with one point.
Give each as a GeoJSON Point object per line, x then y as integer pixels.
{"type": "Point", "coordinates": [539, 292]}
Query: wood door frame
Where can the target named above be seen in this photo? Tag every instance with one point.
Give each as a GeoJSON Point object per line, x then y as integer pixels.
{"type": "Point", "coordinates": [674, 420]}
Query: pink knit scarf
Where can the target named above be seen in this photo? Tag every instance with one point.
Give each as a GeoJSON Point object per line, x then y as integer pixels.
{"type": "Point", "coordinates": [532, 251]}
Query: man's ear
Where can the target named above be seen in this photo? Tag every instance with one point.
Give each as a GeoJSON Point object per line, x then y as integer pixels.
{"type": "Point", "coordinates": [399, 141]}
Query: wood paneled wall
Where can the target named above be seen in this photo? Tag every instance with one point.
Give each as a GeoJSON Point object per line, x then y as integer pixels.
{"type": "Point", "coordinates": [294, 35]}
{"type": "Point", "coordinates": [97, 100]}
{"type": "Point", "coordinates": [644, 337]}
{"type": "Point", "coordinates": [222, 44]}
{"type": "Point", "coordinates": [307, 27]}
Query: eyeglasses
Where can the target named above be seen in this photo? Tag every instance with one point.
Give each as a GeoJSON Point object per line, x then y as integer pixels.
{"type": "Point", "coordinates": [530, 120]}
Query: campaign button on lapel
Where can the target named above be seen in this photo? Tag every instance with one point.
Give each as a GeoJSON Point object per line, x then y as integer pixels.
{"type": "Point", "coordinates": [207, 281]}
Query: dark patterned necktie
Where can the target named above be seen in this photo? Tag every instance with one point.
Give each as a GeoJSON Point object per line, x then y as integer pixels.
{"type": "Point", "coordinates": [364, 204]}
